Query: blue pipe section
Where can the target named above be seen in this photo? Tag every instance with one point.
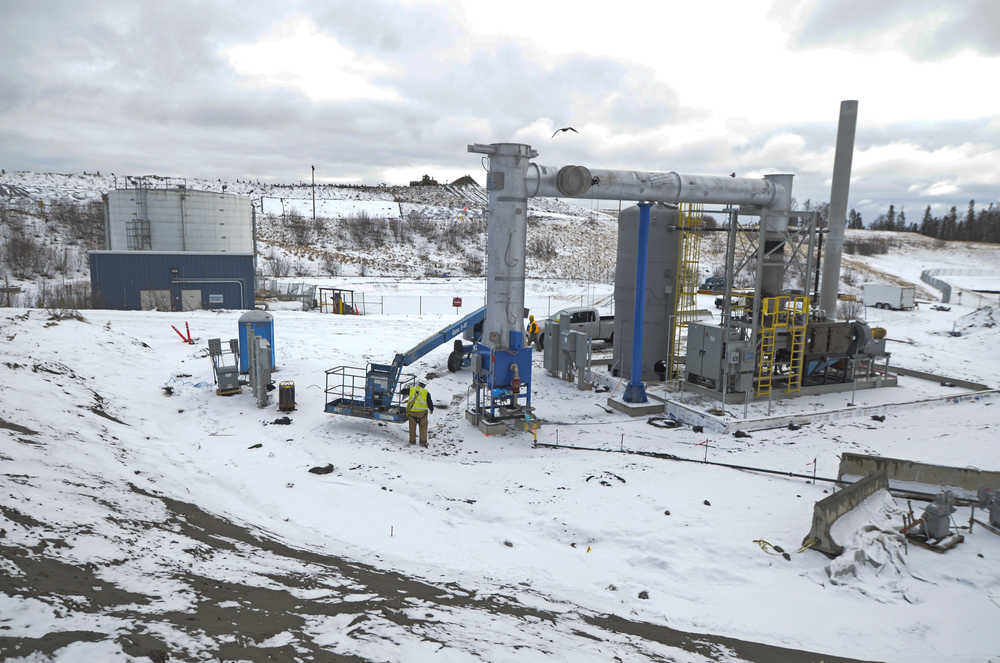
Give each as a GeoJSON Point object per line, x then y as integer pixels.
{"type": "Point", "coordinates": [635, 390]}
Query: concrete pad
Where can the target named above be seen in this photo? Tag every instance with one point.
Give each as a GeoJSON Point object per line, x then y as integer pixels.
{"type": "Point", "coordinates": [636, 409]}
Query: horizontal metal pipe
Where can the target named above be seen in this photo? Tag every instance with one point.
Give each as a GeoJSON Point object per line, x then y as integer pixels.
{"type": "Point", "coordinates": [670, 187]}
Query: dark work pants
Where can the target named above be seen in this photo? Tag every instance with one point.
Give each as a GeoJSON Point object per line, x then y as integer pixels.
{"type": "Point", "coordinates": [418, 419]}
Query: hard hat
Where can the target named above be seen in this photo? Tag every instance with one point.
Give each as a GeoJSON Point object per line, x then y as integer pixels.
{"type": "Point", "coordinates": [421, 383]}
{"type": "Point", "coordinates": [531, 317]}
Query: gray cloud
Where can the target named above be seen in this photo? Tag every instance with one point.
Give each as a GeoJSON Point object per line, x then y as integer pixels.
{"type": "Point", "coordinates": [137, 88]}
{"type": "Point", "coordinates": [924, 29]}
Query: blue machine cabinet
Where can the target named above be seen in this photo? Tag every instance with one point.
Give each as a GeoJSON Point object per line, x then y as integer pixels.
{"type": "Point", "coordinates": [504, 381]}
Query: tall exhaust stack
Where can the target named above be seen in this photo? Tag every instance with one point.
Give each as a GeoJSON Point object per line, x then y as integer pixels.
{"type": "Point", "coordinates": [838, 206]}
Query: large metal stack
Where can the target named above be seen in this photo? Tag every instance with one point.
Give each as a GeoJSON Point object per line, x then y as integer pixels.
{"type": "Point", "coordinates": [661, 277]}
{"type": "Point", "coordinates": [502, 361]}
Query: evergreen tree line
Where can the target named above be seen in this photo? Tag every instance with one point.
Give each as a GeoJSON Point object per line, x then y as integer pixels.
{"type": "Point", "coordinates": [973, 226]}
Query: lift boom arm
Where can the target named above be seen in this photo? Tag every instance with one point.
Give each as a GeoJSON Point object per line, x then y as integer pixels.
{"type": "Point", "coordinates": [439, 338]}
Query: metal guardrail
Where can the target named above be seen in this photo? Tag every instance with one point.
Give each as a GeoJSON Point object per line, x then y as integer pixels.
{"type": "Point", "coordinates": [930, 277]}
{"type": "Point", "coordinates": [346, 389]}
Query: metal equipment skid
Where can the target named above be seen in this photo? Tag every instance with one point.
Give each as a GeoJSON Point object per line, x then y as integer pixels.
{"type": "Point", "coordinates": [501, 383]}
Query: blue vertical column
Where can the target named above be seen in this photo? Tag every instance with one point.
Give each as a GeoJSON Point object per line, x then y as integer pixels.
{"type": "Point", "coordinates": [635, 390]}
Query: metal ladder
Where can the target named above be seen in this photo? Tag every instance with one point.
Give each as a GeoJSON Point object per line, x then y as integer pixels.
{"type": "Point", "coordinates": [772, 317]}
{"type": "Point", "coordinates": [686, 283]}
{"type": "Point", "coordinates": [798, 321]}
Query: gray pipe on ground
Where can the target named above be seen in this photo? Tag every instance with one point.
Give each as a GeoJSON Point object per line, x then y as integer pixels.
{"type": "Point", "coordinates": [837, 221]}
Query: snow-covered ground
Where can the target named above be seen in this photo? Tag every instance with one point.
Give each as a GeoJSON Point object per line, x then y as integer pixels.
{"type": "Point", "coordinates": [136, 523]}
{"type": "Point", "coordinates": [562, 536]}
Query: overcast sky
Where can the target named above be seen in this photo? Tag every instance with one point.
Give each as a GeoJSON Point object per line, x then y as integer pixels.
{"type": "Point", "coordinates": [372, 90]}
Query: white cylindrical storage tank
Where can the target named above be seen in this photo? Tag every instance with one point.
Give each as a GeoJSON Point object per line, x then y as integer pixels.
{"type": "Point", "coordinates": [179, 220]}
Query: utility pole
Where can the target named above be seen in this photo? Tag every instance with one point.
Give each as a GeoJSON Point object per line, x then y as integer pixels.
{"type": "Point", "coordinates": [314, 191]}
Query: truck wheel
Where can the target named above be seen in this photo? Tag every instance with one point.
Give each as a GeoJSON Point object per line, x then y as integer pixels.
{"type": "Point", "coordinates": [541, 341]}
{"type": "Point", "coordinates": [611, 339]}
{"type": "Point", "coordinates": [454, 361]}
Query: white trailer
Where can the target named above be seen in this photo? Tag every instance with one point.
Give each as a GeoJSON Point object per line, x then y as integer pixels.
{"type": "Point", "coordinates": [885, 295]}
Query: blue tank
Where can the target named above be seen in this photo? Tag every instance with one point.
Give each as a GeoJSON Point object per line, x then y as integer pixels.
{"type": "Point", "coordinates": [261, 323]}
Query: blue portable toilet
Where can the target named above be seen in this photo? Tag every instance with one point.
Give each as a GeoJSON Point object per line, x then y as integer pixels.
{"type": "Point", "coordinates": [261, 323]}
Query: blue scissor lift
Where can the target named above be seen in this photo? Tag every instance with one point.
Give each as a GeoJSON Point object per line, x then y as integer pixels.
{"type": "Point", "coordinates": [379, 391]}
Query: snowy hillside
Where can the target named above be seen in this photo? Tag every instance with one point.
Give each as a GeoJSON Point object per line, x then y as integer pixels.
{"type": "Point", "coordinates": [399, 231]}
{"type": "Point", "coordinates": [360, 230]}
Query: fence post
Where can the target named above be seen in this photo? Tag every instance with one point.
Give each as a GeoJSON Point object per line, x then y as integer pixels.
{"type": "Point", "coordinates": [420, 304]}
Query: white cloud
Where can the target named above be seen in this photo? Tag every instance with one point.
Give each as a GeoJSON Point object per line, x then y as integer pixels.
{"type": "Point", "coordinates": [299, 56]}
{"type": "Point", "coordinates": [940, 189]}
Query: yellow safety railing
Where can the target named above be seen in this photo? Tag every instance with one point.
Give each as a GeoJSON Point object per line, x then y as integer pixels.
{"type": "Point", "coordinates": [791, 313]}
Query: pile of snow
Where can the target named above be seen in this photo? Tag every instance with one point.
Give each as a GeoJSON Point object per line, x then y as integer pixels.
{"type": "Point", "coordinates": [982, 318]}
{"type": "Point", "coordinates": [873, 562]}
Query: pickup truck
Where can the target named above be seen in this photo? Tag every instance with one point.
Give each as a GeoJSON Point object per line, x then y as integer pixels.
{"type": "Point", "coordinates": [581, 318]}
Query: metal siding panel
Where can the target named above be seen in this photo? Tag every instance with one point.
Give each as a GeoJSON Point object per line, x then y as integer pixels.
{"type": "Point", "coordinates": [116, 279]}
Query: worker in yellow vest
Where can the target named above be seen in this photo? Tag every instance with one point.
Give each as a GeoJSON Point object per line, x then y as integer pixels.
{"type": "Point", "coordinates": [532, 330]}
{"type": "Point", "coordinates": [418, 406]}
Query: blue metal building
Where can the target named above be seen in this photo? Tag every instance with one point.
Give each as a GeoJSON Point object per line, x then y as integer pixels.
{"type": "Point", "coordinates": [144, 280]}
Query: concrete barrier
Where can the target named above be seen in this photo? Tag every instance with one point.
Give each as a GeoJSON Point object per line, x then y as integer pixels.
{"type": "Point", "coordinates": [829, 509]}
{"type": "Point", "coordinates": [693, 416]}
{"type": "Point", "coordinates": [920, 477]}
{"type": "Point", "coordinates": [924, 375]}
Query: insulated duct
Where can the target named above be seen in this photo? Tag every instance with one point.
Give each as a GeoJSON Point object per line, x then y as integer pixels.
{"type": "Point", "coordinates": [671, 187]}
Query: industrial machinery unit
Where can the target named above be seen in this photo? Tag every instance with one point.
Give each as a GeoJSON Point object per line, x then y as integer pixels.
{"type": "Point", "coordinates": [502, 372]}
{"type": "Point", "coordinates": [768, 339]}
{"type": "Point", "coordinates": [778, 339]}
{"type": "Point", "coordinates": [772, 338]}
{"type": "Point", "coordinates": [379, 391]}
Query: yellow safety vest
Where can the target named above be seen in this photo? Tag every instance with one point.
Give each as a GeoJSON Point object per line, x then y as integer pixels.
{"type": "Point", "coordinates": [532, 327]}
{"type": "Point", "coordinates": [418, 400]}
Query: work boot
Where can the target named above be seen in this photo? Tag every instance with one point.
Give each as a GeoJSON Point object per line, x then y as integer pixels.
{"type": "Point", "coordinates": [423, 444]}
{"type": "Point", "coordinates": [413, 441]}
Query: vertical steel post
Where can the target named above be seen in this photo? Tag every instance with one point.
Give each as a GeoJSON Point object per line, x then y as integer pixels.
{"type": "Point", "coordinates": [314, 191]}
{"type": "Point", "coordinates": [635, 391]}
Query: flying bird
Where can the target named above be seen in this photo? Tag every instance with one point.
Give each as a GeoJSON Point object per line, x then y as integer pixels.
{"type": "Point", "coordinates": [564, 129]}
{"type": "Point", "coordinates": [732, 174]}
